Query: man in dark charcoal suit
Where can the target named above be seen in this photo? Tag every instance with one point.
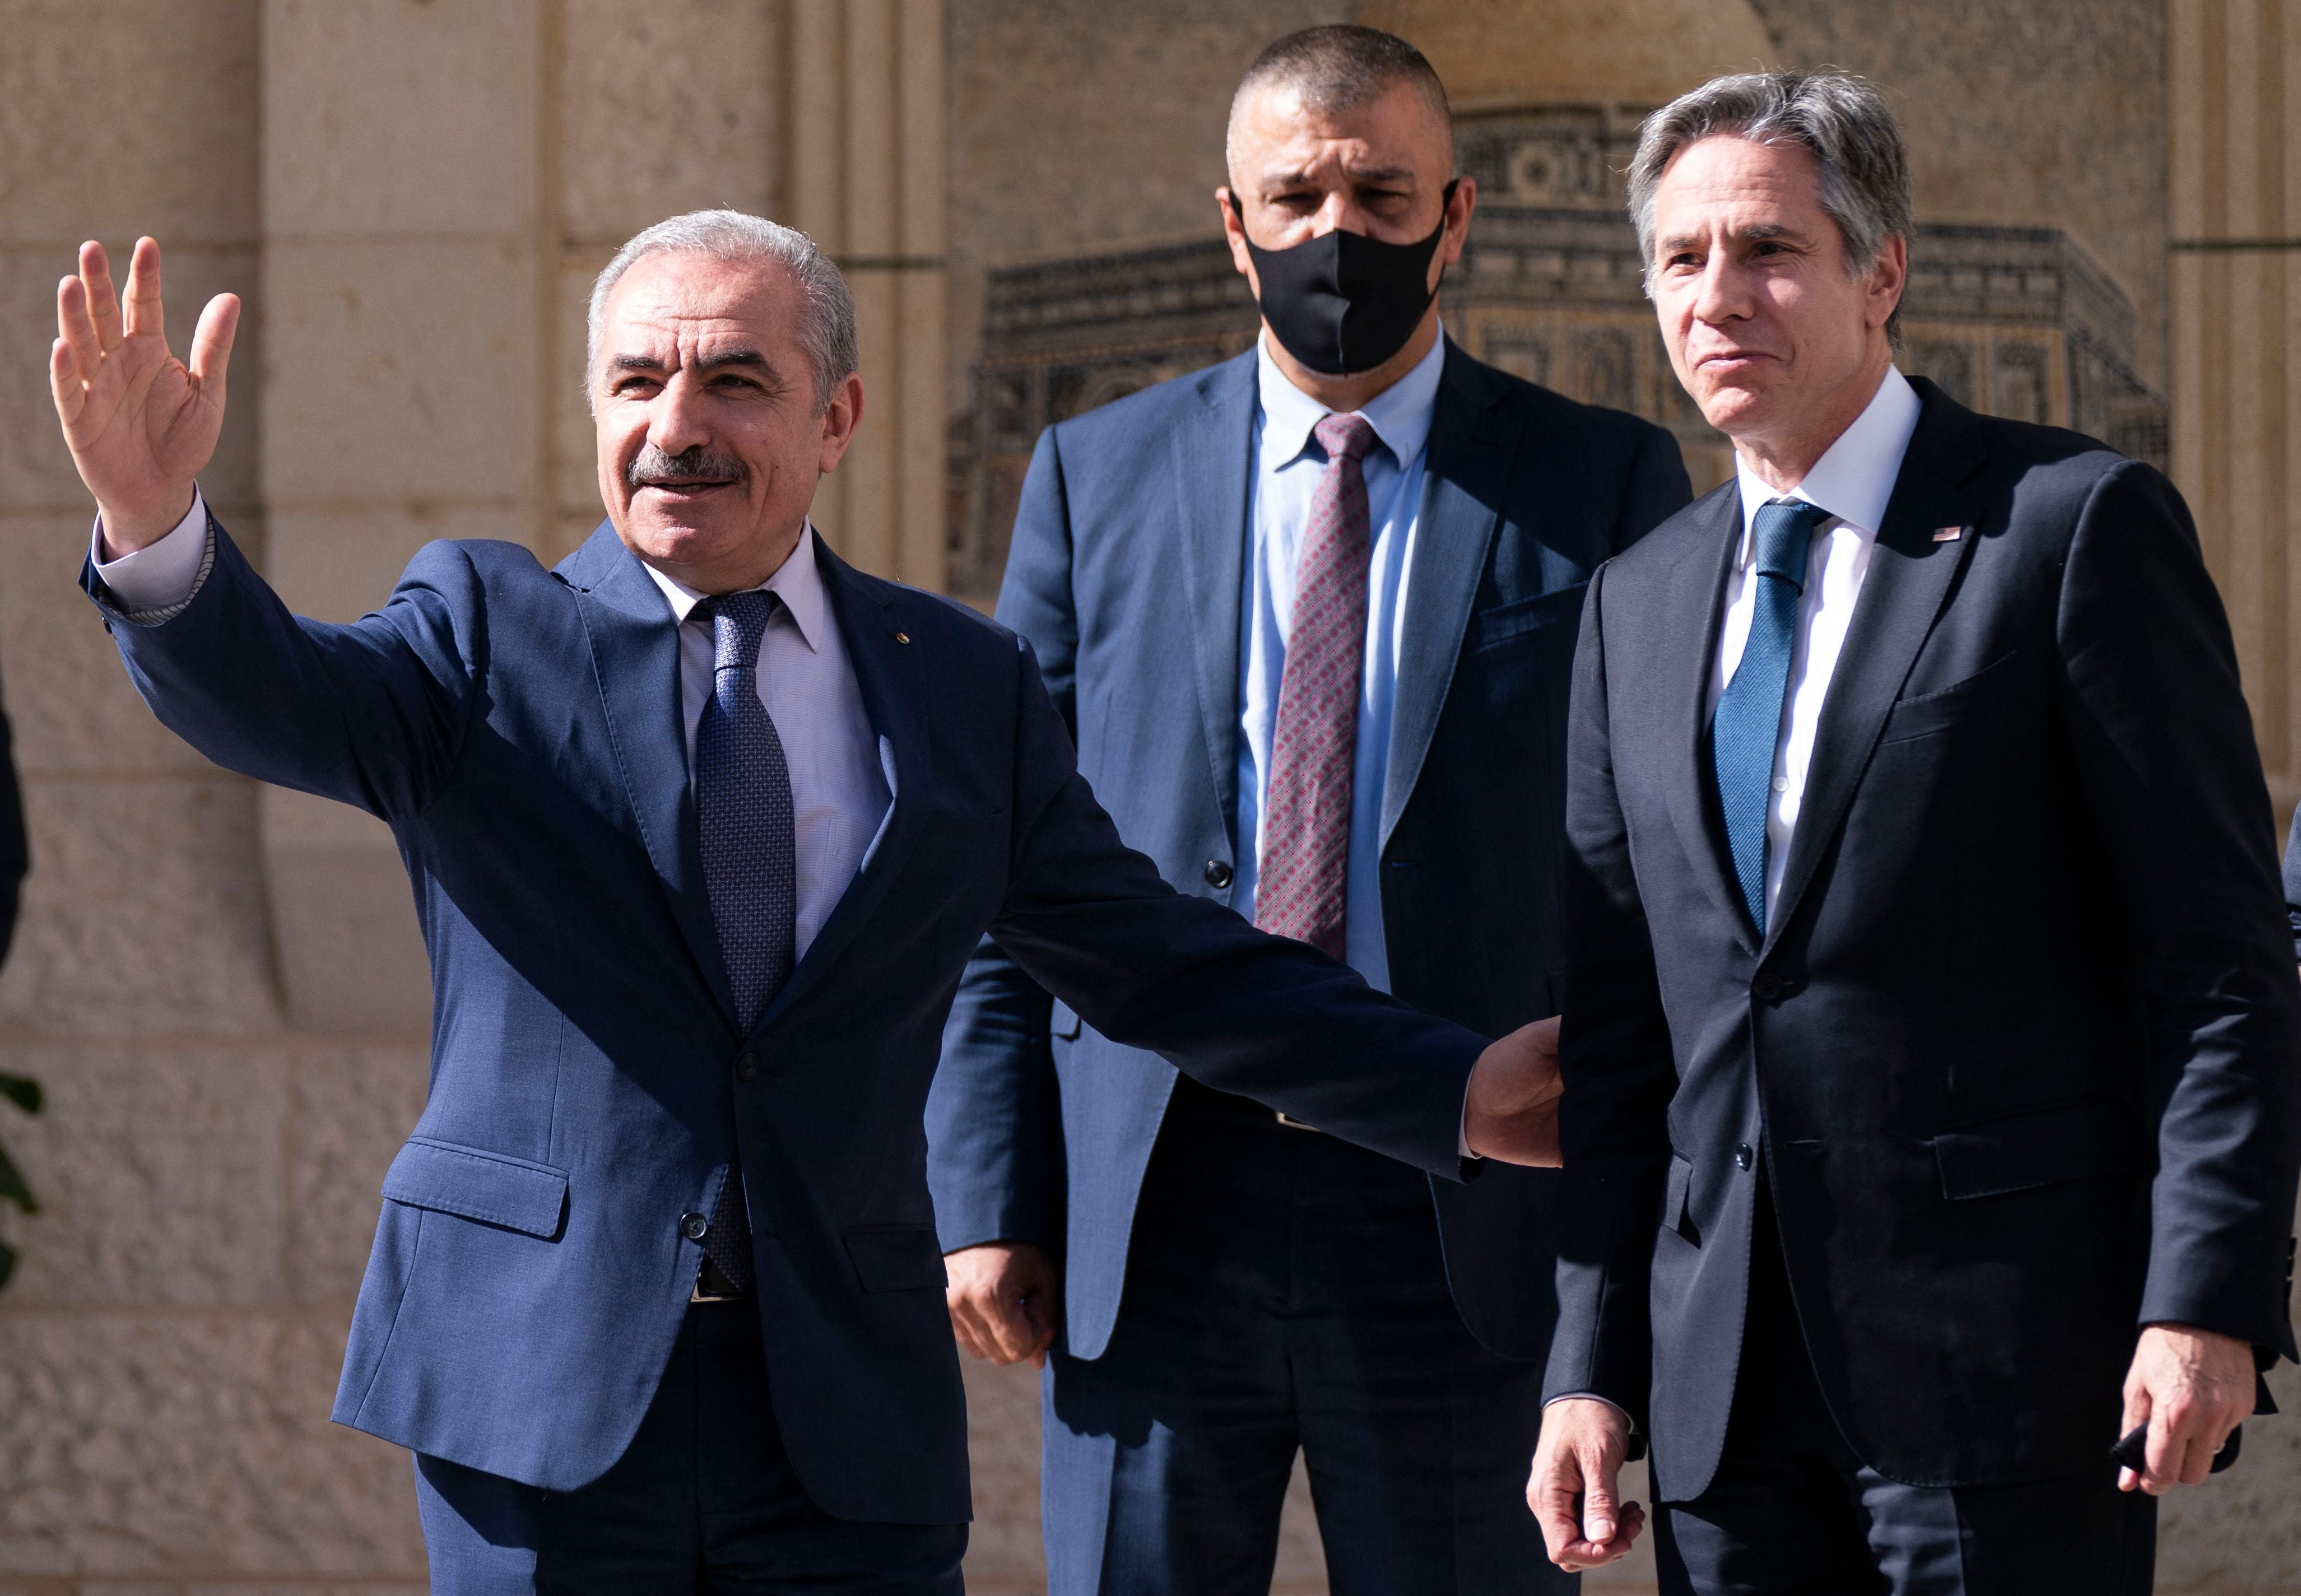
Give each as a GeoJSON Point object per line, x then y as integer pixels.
{"type": "Point", "coordinates": [1311, 616]}
{"type": "Point", "coordinates": [1930, 1030]}
{"type": "Point", "coordinates": [703, 825]}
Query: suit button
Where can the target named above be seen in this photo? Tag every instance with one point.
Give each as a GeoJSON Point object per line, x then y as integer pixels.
{"type": "Point", "coordinates": [694, 1226]}
{"type": "Point", "coordinates": [747, 1068]}
{"type": "Point", "coordinates": [1768, 986]}
{"type": "Point", "coordinates": [1744, 1157]}
{"type": "Point", "coordinates": [1218, 874]}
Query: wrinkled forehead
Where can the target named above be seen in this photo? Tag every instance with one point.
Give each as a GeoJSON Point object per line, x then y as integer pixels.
{"type": "Point", "coordinates": [1278, 133]}
{"type": "Point", "coordinates": [678, 300]}
{"type": "Point", "coordinates": [1728, 181]}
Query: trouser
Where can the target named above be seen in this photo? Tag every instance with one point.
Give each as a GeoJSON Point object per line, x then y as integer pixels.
{"type": "Point", "coordinates": [703, 1500]}
{"type": "Point", "coordinates": [1792, 1511]}
{"type": "Point", "coordinates": [1285, 1292]}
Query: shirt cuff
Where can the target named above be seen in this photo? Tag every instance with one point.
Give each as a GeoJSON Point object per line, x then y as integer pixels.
{"type": "Point", "coordinates": [161, 576]}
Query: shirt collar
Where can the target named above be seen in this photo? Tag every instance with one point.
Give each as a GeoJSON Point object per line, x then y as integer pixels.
{"type": "Point", "coordinates": [1400, 414]}
{"type": "Point", "coordinates": [1854, 477]}
{"type": "Point", "coordinates": [798, 581]}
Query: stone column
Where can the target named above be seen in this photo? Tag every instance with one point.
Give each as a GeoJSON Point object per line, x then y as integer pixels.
{"type": "Point", "coordinates": [866, 151]}
{"type": "Point", "coordinates": [2233, 68]}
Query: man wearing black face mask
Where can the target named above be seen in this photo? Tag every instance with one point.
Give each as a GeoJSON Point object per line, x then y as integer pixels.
{"type": "Point", "coordinates": [1311, 613]}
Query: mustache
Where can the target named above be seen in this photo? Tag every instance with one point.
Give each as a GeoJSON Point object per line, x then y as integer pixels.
{"type": "Point", "coordinates": [651, 467]}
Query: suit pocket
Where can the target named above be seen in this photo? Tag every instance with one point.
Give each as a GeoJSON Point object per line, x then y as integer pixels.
{"type": "Point", "coordinates": [1507, 622]}
{"type": "Point", "coordinates": [1677, 1197]}
{"type": "Point", "coordinates": [474, 1184]}
{"type": "Point", "coordinates": [1999, 681]}
{"type": "Point", "coordinates": [904, 1259]}
{"type": "Point", "coordinates": [2043, 1147]}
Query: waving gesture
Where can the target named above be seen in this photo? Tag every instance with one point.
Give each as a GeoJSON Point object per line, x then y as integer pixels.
{"type": "Point", "coordinates": [141, 424]}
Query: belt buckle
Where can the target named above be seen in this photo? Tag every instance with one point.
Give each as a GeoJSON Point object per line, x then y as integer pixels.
{"type": "Point", "coordinates": [1292, 1123]}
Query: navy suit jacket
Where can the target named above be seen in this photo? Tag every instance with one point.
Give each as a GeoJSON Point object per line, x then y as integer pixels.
{"type": "Point", "coordinates": [1125, 575]}
{"type": "Point", "coordinates": [520, 730]}
{"type": "Point", "coordinates": [2016, 1054]}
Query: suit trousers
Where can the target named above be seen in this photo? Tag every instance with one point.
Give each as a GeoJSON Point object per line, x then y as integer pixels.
{"type": "Point", "coordinates": [1285, 1292]}
{"type": "Point", "coordinates": [704, 1500]}
{"type": "Point", "coordinates": [1793, 1511]}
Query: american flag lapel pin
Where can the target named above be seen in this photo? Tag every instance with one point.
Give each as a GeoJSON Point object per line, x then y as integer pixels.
{"type": "Point", "coordinates": [1948, 534]}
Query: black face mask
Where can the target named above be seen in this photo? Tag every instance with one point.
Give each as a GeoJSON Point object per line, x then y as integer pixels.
{"type": "Point", "coordinates": [1344, 303]}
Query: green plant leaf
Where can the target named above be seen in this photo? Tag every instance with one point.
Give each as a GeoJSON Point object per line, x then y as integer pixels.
{"type": "Point", "coordinates": [23, 1092]}
{"type": "Point", "coordinates": [13, 1188]}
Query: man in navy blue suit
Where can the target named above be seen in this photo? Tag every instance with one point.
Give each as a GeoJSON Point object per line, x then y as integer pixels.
{"type": "Point", "coordinates": [1311, 615]}
{"type": "Point", "coordinates": [703, 825]}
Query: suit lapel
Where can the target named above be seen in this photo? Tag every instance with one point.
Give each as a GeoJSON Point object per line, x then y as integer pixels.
{"type": "Point", "coordinates": [891, 679]}
{"type": "Point", "coordinates": [1697, 603]}
{"type": "Point", "coordinates": [1212, 456]}
{"type": "Point", "coordinates": [635, 654]}
{"type": "Point", "coordinates": [1909, 578]}
{"type": "Point", "coordinates": [1467, 468]}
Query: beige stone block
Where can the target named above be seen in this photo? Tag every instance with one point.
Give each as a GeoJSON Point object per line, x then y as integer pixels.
{"type": "Point", "coordinates": [575, 453]}
{"type": "Point", "coordinates": [143, 911]}
{"type": "Point", "coordinates": [68, 698]}
{"type": "Point", "coordinates": [387, 117]}
{"type": "Point", "coordinates": [2238, 1531]}
{"type": "Point", "coordinates": [138, 117]}
{"type": "Point", "coordinates": [396, 371]}
{"type": "Point", "coordinates": [135, 1446]}
{"type": "Point", "coordinates": [633, 151]}
{"type": "Point", "coordinates": [160, 1173]}
{"type": "Point", "coordinates": [36, 467]}
{"type": "Point", "coordinates": [339, 564]}
{"type": "Point", "coordinates": [1004, 1551]}
{"type": "Point", "coordinates": [351, 960]}
{"type": "Point", "coordinates": [354, 1106]}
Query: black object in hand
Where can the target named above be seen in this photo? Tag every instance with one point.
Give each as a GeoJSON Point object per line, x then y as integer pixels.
{"type": "Point", "coordinates": [2132, 1452]}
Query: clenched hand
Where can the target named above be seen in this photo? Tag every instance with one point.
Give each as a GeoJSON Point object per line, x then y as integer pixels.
{"type": "Point", "coordinates": [1001, 1298]}
{"type": "Point", "coordinates": [1511, 1112]}
{"type": "Point", "coordinates": [142, 425]}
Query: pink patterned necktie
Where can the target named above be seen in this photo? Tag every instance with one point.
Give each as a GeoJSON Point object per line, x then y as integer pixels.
{"type": "Point", "coordinates": [1306, 830]}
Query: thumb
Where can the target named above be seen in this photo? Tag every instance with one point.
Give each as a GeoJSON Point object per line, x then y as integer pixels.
{"type": "Point", "coordinates": [212, 343]}
{"type": "Point", "coordinates": [1599, 1505]}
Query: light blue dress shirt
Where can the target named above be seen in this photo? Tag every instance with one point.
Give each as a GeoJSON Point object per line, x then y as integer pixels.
{"type": "Point", "coordinates": [1284, 469]}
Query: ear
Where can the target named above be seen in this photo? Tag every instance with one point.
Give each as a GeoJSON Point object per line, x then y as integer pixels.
{"type": "Point", "coordinates": [1458, 220]}
{"type": "Point", "coordinates": [1234, 235]}
{"type": "Point", "coordinates": [1888, 276]}
{"type": "Point", "coordinates": [840, 419]}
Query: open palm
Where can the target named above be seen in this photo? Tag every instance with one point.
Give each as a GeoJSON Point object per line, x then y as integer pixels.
{"type": "Point", "coordinates": [142, 424]}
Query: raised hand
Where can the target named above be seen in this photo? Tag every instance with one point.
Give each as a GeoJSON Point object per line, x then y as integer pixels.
{"type": "Point", "coordinates": [141, 424]}
{"type": "Point", "coordinates": [1511, 1114]}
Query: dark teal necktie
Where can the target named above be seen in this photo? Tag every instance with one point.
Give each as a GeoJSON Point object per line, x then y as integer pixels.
{"type": "Point", "coordinates": [1747, 726]}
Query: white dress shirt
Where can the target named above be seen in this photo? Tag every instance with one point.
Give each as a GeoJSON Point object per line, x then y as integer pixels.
{"type": "Point", "coordinates": [838, 790]}
{"type": "Point", "coordinates": [1285, 477]}
{"type": "Point", "coordinates": [1852, 481]}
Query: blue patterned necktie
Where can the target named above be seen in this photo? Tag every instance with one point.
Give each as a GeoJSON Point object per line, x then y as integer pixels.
{"type": "Point", "coordinates": [743, 811]}
{"type": "Point", "coordinates": [1747, 726]}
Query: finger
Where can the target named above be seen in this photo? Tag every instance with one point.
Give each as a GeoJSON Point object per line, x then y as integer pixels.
{"type": "Point", "coordinates": [2168, 1440]}
{"type": "Point", "coordinates": [1552, 1494]}
{"type": "Point", "coordinates": [212, 342]}
{"type": "Point", "coordinates": [1600, 1516]}
{"type": "Point", "coordinates": [63, 380]}
{"type": "Point", "coordinates": [102, 304]}
{"type": "Point", "coordinates": [143, 318]}
{"type": "Point", "coordinates": [77, 327]}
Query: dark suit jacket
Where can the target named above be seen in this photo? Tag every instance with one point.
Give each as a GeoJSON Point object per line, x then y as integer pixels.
{"type": "Point", "coordinates": [521, 731]}
{"type": "Point", "coordinates": [1125, 574]}
{"type": "Point", "coordinates": [2017, 1052]}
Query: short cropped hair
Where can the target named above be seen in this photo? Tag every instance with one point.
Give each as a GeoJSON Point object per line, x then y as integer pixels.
{"type": "Point", "coordinates": [828, 330]}
{"type": "Point", "coordinates": [1840, 120]}
{"type": "Point", "coordinates": [1342, 67]}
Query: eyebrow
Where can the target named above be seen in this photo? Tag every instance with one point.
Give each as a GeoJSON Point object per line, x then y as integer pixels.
{"type": "Point", "coordinates": [747, 359]}
{"type": "Point", "coordinates": [1368, 174]}
{"type": "Point", "coordinates": [1757, 233]}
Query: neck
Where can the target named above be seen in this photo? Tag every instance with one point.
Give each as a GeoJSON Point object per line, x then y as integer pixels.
{"type": "Point", "coordinates": [1781, 457]}
{"type": "Point", "coordinates": [1361, 389]}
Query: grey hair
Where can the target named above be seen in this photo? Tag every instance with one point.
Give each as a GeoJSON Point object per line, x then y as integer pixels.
{"type": "Point", "coordinates": [1339, 68]}
{"type": "Point", "coordinates": [828, 330]}
{"type": "Point", "coordinates": [1841, 121]}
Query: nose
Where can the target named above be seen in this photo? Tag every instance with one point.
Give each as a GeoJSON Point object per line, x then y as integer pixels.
{"type": "Point", "coordinates": [1340, 212]}
{"type": "Point", "coordinates": [675, 418]}
{"type": "Point", "coordinates": [1722, 295]}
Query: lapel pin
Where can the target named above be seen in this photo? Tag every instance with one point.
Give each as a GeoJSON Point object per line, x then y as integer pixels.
{"type": "Point", "coordinates": [902, 636]}
{"type": "Point", "coordinates": [1949, 534]}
